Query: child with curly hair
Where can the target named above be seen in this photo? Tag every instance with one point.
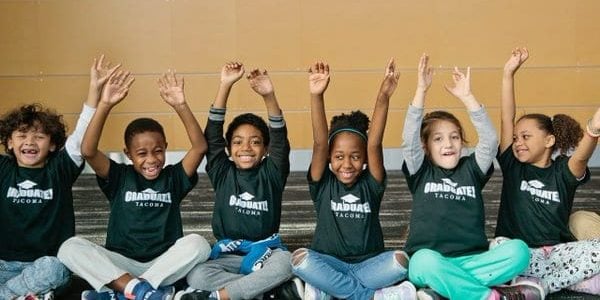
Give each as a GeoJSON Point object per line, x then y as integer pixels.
{"type": "Point", "coordinates": [36, 203]}
{"type": "Point", "coordinates": [538, 191]}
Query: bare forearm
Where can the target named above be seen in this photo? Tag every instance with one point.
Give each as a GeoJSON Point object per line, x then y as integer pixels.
{"type": "Point", "coordinates": [319, 120]}
{"type": "Point", "coordinates": [272, 105]}
{"type": "Point", "coordinates": [379, 120]}
{"type": "Point", "coordinates": [419, 98]}
{"type": "Point", "coordinates": [222, 95]}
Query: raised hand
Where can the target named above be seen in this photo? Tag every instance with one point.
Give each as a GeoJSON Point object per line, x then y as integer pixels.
{"type": "Point", "coordinates": [116, 88]}
{"type": "Point", "coordinates": [260, 82]}
{"type": "Point", "coordinates": [390, 79]}
{"type": "Point", "coordinates": [318, 80]}
{"type": "Point", "coordinates": [516, 59]}
{"type": "Point", "coordinates": [232, 72]}
{"type": "Point", "coordinates": [100, 72]}
{"type": "Point", "coordinates": [424, 73]}
{"type": "Point", "coordinates": [462, 84]}
{"type": "Point", "coordinates": [171, 89]}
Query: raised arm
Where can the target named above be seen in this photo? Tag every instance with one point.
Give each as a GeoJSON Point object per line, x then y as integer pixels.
{"type": "Point", "coordinates": [379, 119]}
{"type": "Point", "coordinates": [412, 149]}
{"type": "Point", "coordinates": [579, 160]}
{"type": "Point", "coordinates": [171, 90]}
{"type": "Point", "coordinates": [318, 80]}
{"type": "Point", "coordinates": [486, 149]}
{"type": "Point", "coordinates": [230, 74]}
{"type": "Point", "coordinates": [113, 92]}
{"type": "Point", "coordinates": [279, 147]}
{"type": "Point", "coordinates": [100, 71]}
{"type": "Point", "coordinates": [517, 58]}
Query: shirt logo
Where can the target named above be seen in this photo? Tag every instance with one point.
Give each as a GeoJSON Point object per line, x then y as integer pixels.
{"type": "Point", "coordinates": [245, 204]}
{"type": "Point", "coordinates": [148, 198]}
{"type": "Point", "coordinates": [25, 193]}
{"type": "Point", "coordinates": [450, 190]}
{"type": "Point", "coordinates": [536, 189]}
{"type": "Point", "coordinates": [350, 207]}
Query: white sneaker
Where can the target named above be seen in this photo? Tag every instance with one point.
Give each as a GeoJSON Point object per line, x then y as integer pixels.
{"type": "Point", "coordinates": [312, 293]}
{"type": "Point", "coordinates": [403, 291]}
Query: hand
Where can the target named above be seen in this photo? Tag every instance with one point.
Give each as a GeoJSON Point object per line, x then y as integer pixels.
{"type": "Point", "coordinates": [100, 72]}
{"type": "Point", "coordinates": [390, 79]}
{"type": "Point", "coordinates": [595, 122]}
{"type": "Point", "coordinates": [171, 89]}
{"type": "Point", "coordinates": [232, 72]}
{"type": "Point", "coordinates": [517, 58]}
{"type": "Point", "coordinates": [424, 73]}
{"type": "Point", "coordinates": [260, 82]}
{"type": "Point", "coordinates": [116, 88]}
{"type": "Point", "coordinates": [462, 84]}
{"type": "Point", "coordinates": [318, 80]}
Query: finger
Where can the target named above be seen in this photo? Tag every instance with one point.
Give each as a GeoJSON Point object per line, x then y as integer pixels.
{"type": "Point", "coordinates": [468, 73]}
{"type": "Point", "coordinates": [113, 69]}
{"type": "Point", "coordinates": [100, 61]}
{"type": "Point", "coordinates": [129, 82]}
{"type": "Point", "coordinates": [181, 81]}
{"type": "Point", "coordinates": [265, 72]}
{"type": "Point", "coordinates": [326, 67]}
{"type": "Point", "coordinates": [448, 89]}
{"type": "Point", "coordinates": [390, 65]}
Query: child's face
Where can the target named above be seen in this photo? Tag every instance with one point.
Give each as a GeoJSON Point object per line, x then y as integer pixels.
{"type": "Point", "coordinates": [444, 144]}
{"type": "Point", "coordinates": [147, 152]}
{"type": "Point", "coordinates": [530, 143]}
{"type": "Point", "coordinates": [30, 146]}
{"type": "Point", "coordinates": [347, 155]}
{"type": "Point", "coordinates": [247, 147]}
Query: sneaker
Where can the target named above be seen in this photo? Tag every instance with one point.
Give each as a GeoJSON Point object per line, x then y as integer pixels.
{"type": "Point", "coordinates": [428, 294]}
{"type": "Point", "coordinates": [143, 290]}
{"type": "Point", "coordinates": [93, 295]}
{"type": "Point", "coordinates": [403, 291]}
{"type": "Point", "coordinates": [192, 294]}
{"type": "Point", "coordinates": [45, 296]}
{"type": "Point", "coordinates": [588, 286]}
{"type": "Point", "coordinates": [290, 290]}
{"type": "Point", "coordinates": [524, 290]}
{"type": "Point", "coordinates": [313, 293]}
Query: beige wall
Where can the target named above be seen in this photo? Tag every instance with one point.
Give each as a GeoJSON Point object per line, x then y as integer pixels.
{"type": "Point", "coordinates": [46, 48]}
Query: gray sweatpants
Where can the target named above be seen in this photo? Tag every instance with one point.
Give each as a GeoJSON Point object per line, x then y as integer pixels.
{"type": "Point", "coordinates": [222, 272]}
{"type": "Point", "coordinates": [99, 266]}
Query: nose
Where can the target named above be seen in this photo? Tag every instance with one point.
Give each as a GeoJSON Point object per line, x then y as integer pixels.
{"type": "Point", "coordinates": [246, 146]}
{"type": "Point", "coordinates": [29, 140]}
{"type": "Point", "coordinates": [346, 163]}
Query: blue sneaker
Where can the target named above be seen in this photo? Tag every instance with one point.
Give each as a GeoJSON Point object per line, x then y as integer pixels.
{"type": "Point", "coordinates": [144, 291]}
{"type": "Point", "coordinates": [93, 295]}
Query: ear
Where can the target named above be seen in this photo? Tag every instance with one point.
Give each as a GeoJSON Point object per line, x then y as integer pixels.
{"type": "Point", "coordinates": [9, 144]}
{"type": "Point", "coordinates": [127, 153]}
{"type": "Point", "coordinates": [550, 141]}
{"type": "Point", "coordinates": [424, 147]}
{"type": "Point", "coordinates": [166, 145]}
{"type": "Point", "coordinates": [52, 147]}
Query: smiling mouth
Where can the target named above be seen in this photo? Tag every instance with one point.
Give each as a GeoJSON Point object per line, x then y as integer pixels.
{"type": "Point", "coordinates": [151, 171]}
{"type": "Point", "coordinates": [30, 152]}
{"type": "Point", "coordinates": [346, 175]}
{"type": "Point", "coordinates": [246, 158]}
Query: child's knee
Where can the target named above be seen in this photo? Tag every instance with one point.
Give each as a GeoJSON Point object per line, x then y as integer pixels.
{"type": "Point", "coordinates": [50, 270]}
{"type": "Point", "coordinates": [299, 256]}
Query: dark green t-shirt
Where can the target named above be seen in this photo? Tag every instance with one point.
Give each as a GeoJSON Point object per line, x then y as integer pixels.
{"type": "Point", "coordinates": [36, 207]}
{"type": "Point", "coordinates": [145, 218]}
{"type": "Point", "coordinates": [247, 202]}
{"type": "Point", "coordinates": [347, 217]}
{"type": "Point", "coordinates": [447, 208]}
{"type": "Point", "coordinates": [536, 202]}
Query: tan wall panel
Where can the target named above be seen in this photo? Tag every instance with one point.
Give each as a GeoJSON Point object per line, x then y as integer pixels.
{"type": "Point", "coordinates": [18, 38]}
{"type": "Point", "coordinates": [136, 33]}
{"type": "Point", "coordinates": [587, 28]}
{"type": "Point", "coordinates": [203, 34]}
{"type": "Point", "coordinates": [65, 94]}
{"type": "Point", "coordinates": [17, 91]}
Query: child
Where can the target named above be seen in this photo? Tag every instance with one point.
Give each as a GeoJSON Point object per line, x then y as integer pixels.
{"type": "Point", "coordinates": [538, 192]}
{"type": "Point", "coordinates": [248, 170]}
{"type": "Point", "coordinates": [347, 179]}
{"type": "Point", "coordinates": [36, 203]}
{"type": "Point", "coordinates": [145, 247]}
{"type": "Point", "coordinates": [447, 238]}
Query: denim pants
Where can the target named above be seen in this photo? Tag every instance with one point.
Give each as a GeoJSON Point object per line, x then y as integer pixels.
{"type": "Point", "coordinates": [347, 280]}
{"type": "Point", "coordinates": [42, 275]}
{"type": "Point", "coordinates": [469, 276]}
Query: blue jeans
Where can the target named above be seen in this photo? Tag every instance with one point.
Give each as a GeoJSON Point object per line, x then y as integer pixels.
{"type": "Point", "coordinates": [42, 275]}
{"type": "Point", "coordinates": [350, 281]}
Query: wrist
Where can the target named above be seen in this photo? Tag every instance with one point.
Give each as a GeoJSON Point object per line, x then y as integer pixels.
{"type": "Point", "coordinates": [269, 96]}
{"type": "Point", "coordinates": [591, 131]}
{"type": "Point", "coordinates": [180, 106]}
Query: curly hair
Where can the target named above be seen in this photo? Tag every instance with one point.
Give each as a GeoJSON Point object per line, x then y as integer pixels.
{"type": "Point", "coordinates": [250, 119]}
{"type": "Point", "coordinates": [566, 130]}
{"type": "Point", "coordinates": [355, 121]}
{"type": "Point", "coordinates": [33, 116]}
{"type": "Point", "coordinates": [142, 125]}
{"type": "Point", "coordinates": [440, 115]}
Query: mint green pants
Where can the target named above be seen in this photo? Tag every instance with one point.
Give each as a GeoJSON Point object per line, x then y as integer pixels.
{"type": "Point", "coordinates": [470, 276]}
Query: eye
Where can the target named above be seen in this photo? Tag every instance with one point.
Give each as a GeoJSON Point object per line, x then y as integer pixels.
{"type": "Point", "coordinates": [256, 142]}
{"type": "Point", "coordinates": [355, 157]}
{"type": "Point", "coordinates": [339, 157]}
{"type": "Point", "coordinates": [437, 139]}
{"type": "Point", "coordinates": [236, 142]}
{"type": "Point", "coordinates": [158, 151]}
{"type": "Point", "coordinates": [526, 136]}
{"type": "Point", "coordinates": [456, 137]}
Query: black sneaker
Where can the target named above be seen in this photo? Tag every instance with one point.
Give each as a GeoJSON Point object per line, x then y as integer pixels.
{"type": "Point", "coordinates": [521, 291]}
{"type": "Point", "coordinates": [290, 290]}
